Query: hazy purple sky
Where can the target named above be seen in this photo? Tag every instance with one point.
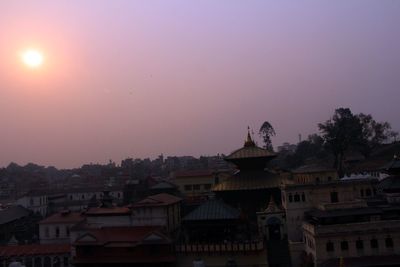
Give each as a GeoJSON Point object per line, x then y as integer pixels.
{"type": "Point", "coordinates": [140, 78]}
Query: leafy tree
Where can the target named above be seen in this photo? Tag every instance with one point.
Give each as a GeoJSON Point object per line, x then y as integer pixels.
{"type": "Point", "coordinates": [373, 133]}
{"type": "Point", "coordinates": [342, 131]}
{"type": "Point", "coordinates": [266, 132]}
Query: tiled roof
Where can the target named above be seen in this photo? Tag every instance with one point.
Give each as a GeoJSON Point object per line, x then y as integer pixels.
{"type": "Point", "coordinates": [193, 173]}
{"type": "Point", "coordinates": [108, 211]}
{"type": "Point", "coordinates": [213, 210]}
{"type": "Point", "coordinates": [245, 180]}
{"type": "Point", "coordinates": [13, 213]}
{"type": "Point", "coordinates": [157, 200]}
{"type": "Point", "coordinates": [34, 249]}
{"type": "Point", "coordinates": [127, 234]}
{"type": "Point", "coordinates": [127, 259]}
{"type": "Point", "coordinates": [63, 217]}
{"type": "Point", "coordinates": [313, 168]}
{"type": "Point", "coordinates": [250, 152]}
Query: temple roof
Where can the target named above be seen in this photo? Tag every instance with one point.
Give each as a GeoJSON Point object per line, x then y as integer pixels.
{"type": "Point", "coordinates": [249, 181]}
{"type": "Point", "coordinates": [123, 234]}
{"type": "Point", "coordinates": [250, 150]}
{"type": "Point", "coordinates": [272, 206]}
{"type": "Point", "coordinates": [213, 210]}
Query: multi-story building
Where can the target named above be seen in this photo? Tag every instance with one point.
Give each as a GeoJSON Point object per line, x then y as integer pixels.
{"type": "Point", "coordinates": [346, 219]}
{"type": "Point", "coordinates": [198, 183]}
{"type": "Point", "coordinates": [56, 228]}
{"type": "Point", "coordinates": [158, 210]}
{"type": "Point", "coordinates": [36, 201]}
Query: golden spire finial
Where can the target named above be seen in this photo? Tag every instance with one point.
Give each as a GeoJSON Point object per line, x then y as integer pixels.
{"type": "Point", "coordinates": [249, 141]}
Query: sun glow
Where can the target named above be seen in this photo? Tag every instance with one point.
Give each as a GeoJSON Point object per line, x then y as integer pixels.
{"type": "Point", "coordinates": [32, 58]}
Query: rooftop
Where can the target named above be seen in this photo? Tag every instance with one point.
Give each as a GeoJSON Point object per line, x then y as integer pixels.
{"type": "Point", "coordinates": [34, 249]}
{"type": "Point", "coordinates": [249, 180]}
{"type": "Point", "coordinates": [312, 168]}
{"type": "Point", "coordinates": [63, 217]}
{"type": "Point", "coordinates": [112, 211]}
{"type": "Point", "coordinates": [133, 235]}
{"type": "Point", "coordinates": [13, 213]}
{"type": "Point", "coordinates": [213, 210]}
{"type": "Point", "coordinates": [162, 199]}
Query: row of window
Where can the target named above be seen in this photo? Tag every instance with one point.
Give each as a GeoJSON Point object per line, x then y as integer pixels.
{"type": "Point", "coordinates": [344, 245]}
{"type": "Point", "coordinates": [71, 197]}
{"type": "Point", "coordinates": [197, 187]}
{"type": "Point", "coordinates": [57, 231]}
{"type": "Point", "coordinates": [297, 197]}
{"type": "Point", "coordinates": [368, 192]}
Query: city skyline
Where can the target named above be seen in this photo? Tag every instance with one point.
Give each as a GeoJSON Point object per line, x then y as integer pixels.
{"type": "Point", "coordinates": [137, 79]}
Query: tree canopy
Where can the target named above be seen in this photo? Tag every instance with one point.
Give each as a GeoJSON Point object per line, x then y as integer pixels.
{"type": "Point", "coordinates": [266, 132]}
{"type": "Point", "coordinates": [346, 131]}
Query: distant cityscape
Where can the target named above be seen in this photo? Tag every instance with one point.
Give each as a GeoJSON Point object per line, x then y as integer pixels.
{"type": "Point", "coordinates": [248, 208]}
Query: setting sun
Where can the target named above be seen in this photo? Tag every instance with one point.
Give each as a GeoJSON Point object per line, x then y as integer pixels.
{"type": "Point", "coordinates": [32, 58]}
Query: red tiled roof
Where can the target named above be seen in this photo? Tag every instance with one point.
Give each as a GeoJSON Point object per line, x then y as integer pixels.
{"type": "Point", "coordinates": [162, 199]}
{"type": "Point", "coordinates": [108, 211]}
{"type": "Point", "coordinates": [125, 259]}
{"type": "Point", "coordinates": [119, 234]}
{"type": "Point", "coordinates": [63, 217]}
{"type": "Point", "coordinates": [34, 249]}
{"type": "Point", "coordinates": [250, 152]}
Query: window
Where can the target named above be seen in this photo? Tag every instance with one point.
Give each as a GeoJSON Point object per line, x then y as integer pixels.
{"type": "Point", "coordinates": [196, 187]}
{"type": "Point", "coordinates": [57, 231]}
{"type": "Point", "coordinates": [296, 198]}
{"type": "Point", "coordinates": [31, 202]}
{"type": "Point", "coordinates": [368, 192]}
{"type": "Point", "coordinates": [70, 197]}
{"type": "Point", "coordinates": [329, 178]}
{"type": "Point", "coordinates": [374, 243]}
{"type": "Point", "coordinates": [317, 179]}
{"type": "Point", "coordinates": [83, 196]}
{"type": "Point", "coordinates": [188, 187]}
{"type": "Point", "coordinates": [334, 197]}
{"type": "Point", "coordinates": [362, 192]}
{"type": "Point", "coordinates": [389, 242]}
{"type": "Point", "coordinates": [374, 191]}
{"type": "Point", "coordinates": [359, 244]}
{"type": "Point", "coordinates": [303, 197]}
{"type": "Point", "coordinates": [46, 232]}
{"type": "Point", "coordinates": [344, 245]}
{"type": "Point", "coordinates": [330, 246]}
{"type": "Point", "coordinates": [207, 186]}
{"type": "Point", "coordinates": [290, 198]}
{"type": "Point", "coordinates": [67, 230]}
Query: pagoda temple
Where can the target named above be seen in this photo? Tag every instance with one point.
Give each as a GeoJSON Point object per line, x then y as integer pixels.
{"type": "Point", "coordinates": [253, 184]}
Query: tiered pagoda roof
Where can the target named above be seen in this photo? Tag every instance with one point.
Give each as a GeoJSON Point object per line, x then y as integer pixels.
{"type": "Point", "coordinates": [250, 156]}
{"type": "Point", "coordinates": [251, 161]}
